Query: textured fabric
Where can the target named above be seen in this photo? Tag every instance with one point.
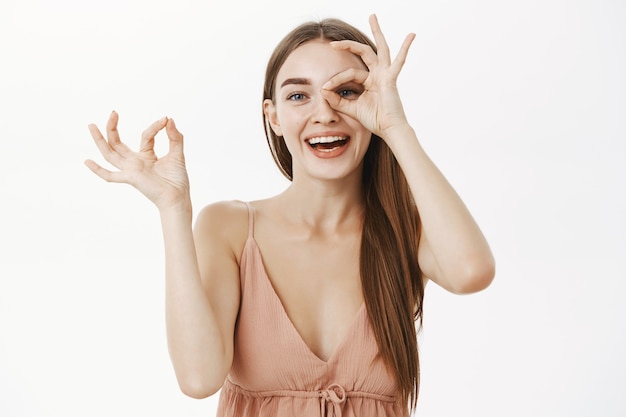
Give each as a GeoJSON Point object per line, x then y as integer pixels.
{"type": "Point", "coordinates": [275, 374]}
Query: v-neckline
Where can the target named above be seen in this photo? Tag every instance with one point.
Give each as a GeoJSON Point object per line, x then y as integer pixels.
{"type": "Point", "coordinates": [344, 339]}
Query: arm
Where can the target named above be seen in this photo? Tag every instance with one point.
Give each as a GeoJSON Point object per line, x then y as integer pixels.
{"type": "Point", "coordinates": [452, 250]}
{"type": "Point", "coordinates": [202, 292]}
{"type": "Point", "coordinates": [202, 298]}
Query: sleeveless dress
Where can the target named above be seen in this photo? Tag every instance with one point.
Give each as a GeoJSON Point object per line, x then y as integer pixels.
{"type": "Point", "coordinates": [275, 374]}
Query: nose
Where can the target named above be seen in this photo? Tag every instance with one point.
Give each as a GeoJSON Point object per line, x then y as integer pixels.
{"type": "Point", "coordinates": [323, 113]}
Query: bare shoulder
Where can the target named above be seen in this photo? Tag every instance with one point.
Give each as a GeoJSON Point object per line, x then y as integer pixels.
{"type": "Point", "coordinates": [224, 223]}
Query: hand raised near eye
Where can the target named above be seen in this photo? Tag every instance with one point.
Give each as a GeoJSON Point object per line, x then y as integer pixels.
{"type": "Point", "coordinates": [163, 180]}
{"type": "Point", "coordinates": [378, 107]}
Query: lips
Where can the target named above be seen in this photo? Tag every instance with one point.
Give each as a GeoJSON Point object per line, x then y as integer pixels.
{"type": "Point", "coordinates": [328, 143]}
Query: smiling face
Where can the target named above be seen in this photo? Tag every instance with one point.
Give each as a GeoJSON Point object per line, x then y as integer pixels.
{"type": "Point", "coordinates": [323, 143]}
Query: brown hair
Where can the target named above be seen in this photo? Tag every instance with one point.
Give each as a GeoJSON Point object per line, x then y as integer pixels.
{"type": "Point", "coordinates": [392, 283]}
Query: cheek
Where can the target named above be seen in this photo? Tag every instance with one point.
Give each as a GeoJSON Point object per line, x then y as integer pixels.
{"type": "Point", "coordinates": [364, 135]}
{"type": "Point", "coordinates": [290, 120]}
{"type": "Point", "coordinates": [365, 141]}
{"type": "Point", "coordinates": [365, 147]}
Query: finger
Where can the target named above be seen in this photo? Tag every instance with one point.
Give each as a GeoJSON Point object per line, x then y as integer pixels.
{"type": "Point", "coordinates": [113, 135]}
{"type": "Point", "coordinates": [379, 38]}
{"type": "Point", "coordinates": [342, 105]}
{"type": "Point", "coordinates": [105, 174]}
{"type": "Point", "coordinates": [111, 128]}
{"type": "Point", "coordinates": [147, 137]}
{"type": "Point", "coordinates": [398, 63]}
{"type": "Point", "coordinates": [107, 152]}
{"type": "Point", "coordinates": [175, 137]}
{"type": "Point", "coordinates": [351, 75]}
{"type": "Point", "coordinates": [366, 53]}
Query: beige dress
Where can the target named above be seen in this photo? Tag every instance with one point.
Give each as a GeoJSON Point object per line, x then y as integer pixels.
{"type": "Point", "coordinates": [275, 374]}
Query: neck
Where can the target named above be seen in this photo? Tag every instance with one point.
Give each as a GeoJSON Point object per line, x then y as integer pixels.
{"type": "Point", "coordinates": [323, 205]}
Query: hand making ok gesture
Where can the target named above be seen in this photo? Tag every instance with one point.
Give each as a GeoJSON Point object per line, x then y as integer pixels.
{"type": "Point", "coordinates": [163, 180]}
{"type": "Point", "coordinates": [379, 107]}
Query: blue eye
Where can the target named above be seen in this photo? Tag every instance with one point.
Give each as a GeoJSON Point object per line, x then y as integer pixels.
{"type": "Point", "coordinates": [296, 97]}
{"type": "Point", "coordinates": [349, 93]}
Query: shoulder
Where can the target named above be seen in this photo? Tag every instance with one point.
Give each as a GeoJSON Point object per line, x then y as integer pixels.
{"type": "Point", "coordinates": [223, 223]}
{"type": "Point", "coordinates": [223, 211]}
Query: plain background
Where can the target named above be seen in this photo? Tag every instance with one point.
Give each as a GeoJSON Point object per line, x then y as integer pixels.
{"type": "Point", "coordinates": [521, 104]}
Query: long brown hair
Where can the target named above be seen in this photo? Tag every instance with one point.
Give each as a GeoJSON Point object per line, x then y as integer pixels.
{"type": "Point", "coordinates": [392, 283]}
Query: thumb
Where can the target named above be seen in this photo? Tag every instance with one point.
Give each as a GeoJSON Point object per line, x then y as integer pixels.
{"type": "Point", "coordinates": [175, 137]}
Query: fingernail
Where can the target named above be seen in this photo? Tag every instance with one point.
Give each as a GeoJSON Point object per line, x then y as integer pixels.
{"type": "Point", "coordinates": [163, 119]}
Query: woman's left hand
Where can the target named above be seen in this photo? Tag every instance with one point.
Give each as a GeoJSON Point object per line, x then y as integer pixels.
{"type": "Point", "coordinates": [378, 108]}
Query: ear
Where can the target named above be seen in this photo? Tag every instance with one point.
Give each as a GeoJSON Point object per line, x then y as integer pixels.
{"type": "Point", "coordinates": [269, 108]}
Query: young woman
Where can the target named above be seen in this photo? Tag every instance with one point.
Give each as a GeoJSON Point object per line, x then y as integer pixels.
{"type": "Point", "coordinates": [305, 303]}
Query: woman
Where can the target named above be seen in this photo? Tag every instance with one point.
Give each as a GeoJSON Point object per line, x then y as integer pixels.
{"type": "Point", "coordinates": [305, 303]}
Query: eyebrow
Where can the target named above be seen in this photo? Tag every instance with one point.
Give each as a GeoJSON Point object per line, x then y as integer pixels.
{"type": "Point", "coordinates": [297, 81]}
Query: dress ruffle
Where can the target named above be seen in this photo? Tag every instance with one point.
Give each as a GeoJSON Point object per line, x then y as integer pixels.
{"type": "Point", "coordinates": [333, 401]}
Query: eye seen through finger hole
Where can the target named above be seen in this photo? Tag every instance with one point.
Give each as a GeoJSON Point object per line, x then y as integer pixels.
{"type": "Point", "coordinates": [350, 93]}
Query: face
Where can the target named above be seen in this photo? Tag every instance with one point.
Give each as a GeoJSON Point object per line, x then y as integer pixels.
{"type": "Point", "coordinates": [323, 143]}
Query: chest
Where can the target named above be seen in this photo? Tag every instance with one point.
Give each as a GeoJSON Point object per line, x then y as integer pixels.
{"type": "Point", "coordinates": [318, 283]}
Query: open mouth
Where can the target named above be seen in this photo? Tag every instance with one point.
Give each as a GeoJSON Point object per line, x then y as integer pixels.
{"type": "Point", "coordinates": [328, 143]}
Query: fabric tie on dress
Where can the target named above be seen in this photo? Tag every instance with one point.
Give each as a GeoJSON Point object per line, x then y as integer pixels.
{"type": "Point", "coordinates": [335, 394]}
{"type": "Point", "coordinates": [333, 401]}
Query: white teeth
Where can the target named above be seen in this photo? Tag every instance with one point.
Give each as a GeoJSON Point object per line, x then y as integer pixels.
{"type": "Point", "coordinates": [326, 139]}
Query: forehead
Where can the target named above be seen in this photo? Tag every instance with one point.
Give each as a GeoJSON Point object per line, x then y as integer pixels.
{"type": "Point", "coordinates": [316, 60]}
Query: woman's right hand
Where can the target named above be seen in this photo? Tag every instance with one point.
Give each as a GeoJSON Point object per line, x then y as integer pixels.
{"type": "Point", "coordinates": [163, 180]}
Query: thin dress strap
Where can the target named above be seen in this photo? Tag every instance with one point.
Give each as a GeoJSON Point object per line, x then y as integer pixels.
{"type": "Point", "coordinates": [247, 264]}
{"type": "Point", "coordinates": [250, 220]}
